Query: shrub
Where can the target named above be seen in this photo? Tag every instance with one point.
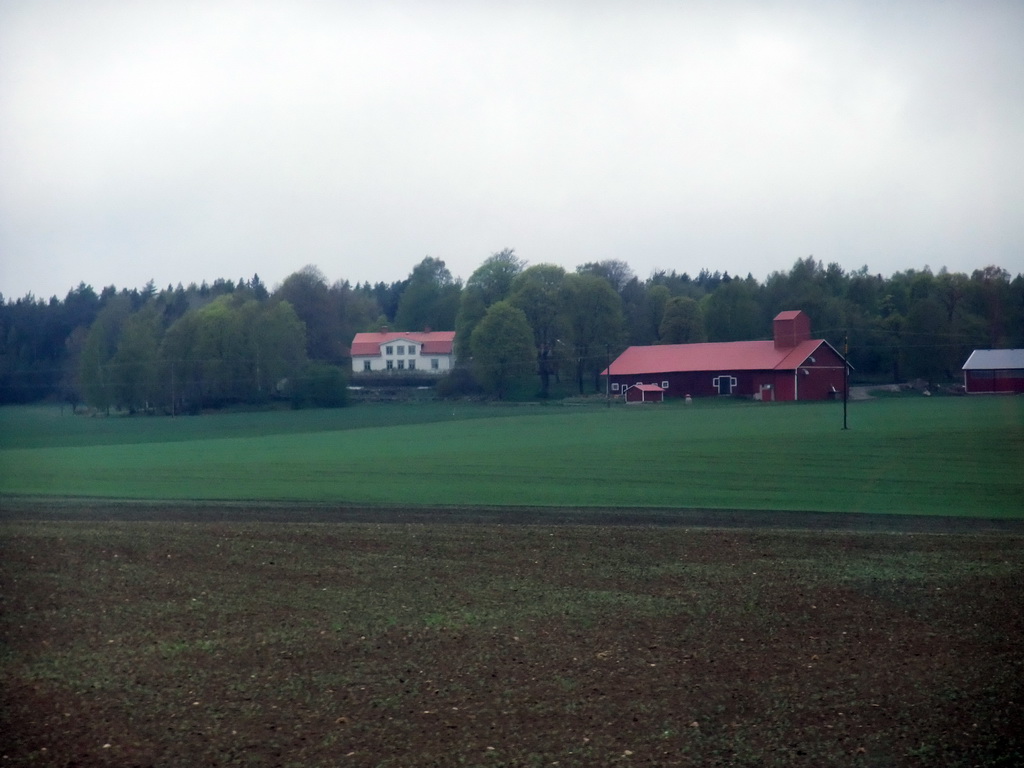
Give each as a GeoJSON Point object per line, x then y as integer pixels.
{"type": "Point", "coordinates": [458, 383]}
{"type": "Point", "coordinates": [320, 386]}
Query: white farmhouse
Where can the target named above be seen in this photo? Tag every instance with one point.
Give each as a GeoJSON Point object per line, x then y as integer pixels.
{"type": "Point", "coordinates": [424, 352]}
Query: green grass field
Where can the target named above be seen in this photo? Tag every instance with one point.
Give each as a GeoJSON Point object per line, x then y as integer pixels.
{"type": "Point", "coordinates": [939, 456]}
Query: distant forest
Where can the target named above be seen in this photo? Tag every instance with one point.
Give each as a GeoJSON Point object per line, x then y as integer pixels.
{"type": "Point", "coordinates": [183, 349]}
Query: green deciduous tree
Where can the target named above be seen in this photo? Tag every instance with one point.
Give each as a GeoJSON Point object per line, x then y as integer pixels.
{"type": "Point", "coordinates": [430, 299]}
{"type": "Point", "coordinates": [99, 377]}
{"type": "Point", "coordinates": [136, 363]}
{"type": "Point", "coordinates": [503, 350]}
{"type": "Point", "coordinates": [182, 368]}
{"type": "Point", "coordinates": [594, 315]}
{"type": "Point", "coordinates": [992, 292]}
{"type": "Point", "coordinates": [274, 335]}
{"type": "Point", "coordinates": [617, 272]}
{"type": "Point", "coordinates": [537, 292]}
{"type": "Point", "coordinates": [232, 350]}
{"type": "Point", "coordinates": [310, 297]}
{"type": "Point", "coordinates": [732, 312]}
{"type": "Point", "coordinates": [332, 314]}
{"type": "Point", "coordinates": [489, 284]}
{"type": "Point", "coordinates": [683, 322]}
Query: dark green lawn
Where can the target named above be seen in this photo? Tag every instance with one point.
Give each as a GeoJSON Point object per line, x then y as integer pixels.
{"type": "Point", "coordinates": [939, 456]}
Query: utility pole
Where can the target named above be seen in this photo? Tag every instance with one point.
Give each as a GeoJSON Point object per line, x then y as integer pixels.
{"type": "Point", "coordinates": [608, 374]}
{"type": "Point", "coordinates": [846, 375]}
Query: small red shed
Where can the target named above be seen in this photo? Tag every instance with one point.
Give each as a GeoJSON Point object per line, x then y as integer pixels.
{"type": "Point", "coordinates": [643, 393]}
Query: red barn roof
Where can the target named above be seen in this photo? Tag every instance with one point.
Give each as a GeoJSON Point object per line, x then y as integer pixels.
{"type": "Point", "coordinates": [714, 356]}
{"type": "Point", "coordinates": [788, 350]}
{"type": "Point", "coordinates": [432, 342]}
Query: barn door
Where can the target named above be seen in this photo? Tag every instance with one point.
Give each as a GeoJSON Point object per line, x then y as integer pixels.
{"type": "Point", "coordinates": [724, 384]}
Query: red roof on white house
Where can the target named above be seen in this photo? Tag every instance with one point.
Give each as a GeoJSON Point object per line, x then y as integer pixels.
{"type": "Point", "coordinates": [713, 356]}
{"type": "Point", "coordinates": [431, 342]}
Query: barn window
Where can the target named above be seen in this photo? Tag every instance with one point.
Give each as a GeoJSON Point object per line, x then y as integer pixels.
{"type": "Point", "coordinates": [615, 386]}
{"type": "Point", "coordinates": [664, 385]}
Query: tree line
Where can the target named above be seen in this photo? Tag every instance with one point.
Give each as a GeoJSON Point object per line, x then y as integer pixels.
{"type": "Point", "coordinates": [183, 349]}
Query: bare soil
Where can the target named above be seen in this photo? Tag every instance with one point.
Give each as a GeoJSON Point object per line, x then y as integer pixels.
{"type": "Point", "coordinates": [170, 635]}
{"type": "Point", "coordinates": [116, 510]}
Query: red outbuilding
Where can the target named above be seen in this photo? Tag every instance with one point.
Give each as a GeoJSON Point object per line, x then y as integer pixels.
{"type": "Point", "coordinates": [791, 366]}
{"type": "Point", "coordinates": [643, 393]}
{"type": "Point", "coordinates": [994, 370]}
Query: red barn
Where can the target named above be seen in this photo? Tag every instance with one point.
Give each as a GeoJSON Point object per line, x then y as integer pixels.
{"type": "Point", "coordinates": [994, 370]}
{"type": "Point", "coordinates": [791, 366]}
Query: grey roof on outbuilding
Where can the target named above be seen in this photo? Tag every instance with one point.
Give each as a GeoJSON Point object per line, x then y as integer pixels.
{"type": "Point", "coordinates": [995, 360]}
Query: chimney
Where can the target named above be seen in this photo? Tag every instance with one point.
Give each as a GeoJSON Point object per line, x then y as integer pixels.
{"type": "Point", "coordinates": [790, 328]}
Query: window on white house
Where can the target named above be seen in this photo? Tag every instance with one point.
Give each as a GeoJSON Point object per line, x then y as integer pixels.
{"type": "Point", "coordinates": [389, 350]}
{"type": "Point", "coordinates": [412, 349]}
{"type": "Point", "coordinates": [366, 365]}
{"type": "Point", "coordinates": [412, 365]}
{"type": "Point", "coordinates": [435, 363]}
{"type": "Point", "coordinates": [401, 349]}
{"type": "Point", "coordinates": [401, 365]}
{"type": "Point", "coordinates": [391, 364]}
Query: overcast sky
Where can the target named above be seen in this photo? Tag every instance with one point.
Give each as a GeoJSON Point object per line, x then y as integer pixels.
{"type": "Point", "coordinates": [185, 141]}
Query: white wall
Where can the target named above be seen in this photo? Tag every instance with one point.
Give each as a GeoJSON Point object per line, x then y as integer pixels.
{"type": "Point", "coordinates": [423, 362]}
